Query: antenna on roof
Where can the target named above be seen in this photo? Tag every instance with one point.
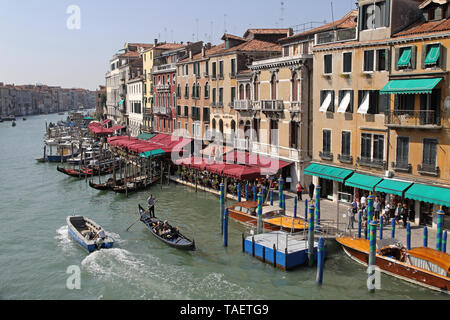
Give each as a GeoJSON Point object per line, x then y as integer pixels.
{"type": "Point", "coordinates": [196, 23]}
{"type": "Point", "coordinates": [332, 13]}
{"type": "Point", "coordinates": [282, 15]}
{"type": "Point", "coordinates": [224, 23]}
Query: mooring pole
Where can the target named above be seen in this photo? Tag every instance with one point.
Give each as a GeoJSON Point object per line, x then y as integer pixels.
{"type": "Point", "coordinates": [425, 237]}
{"type": "Point", "coordinates": [393, 228]}
{"type": "Point", "coordinates": [225, 228]}
{"type": "Point", "coordinates": [254, 192]}
{"type": "Point", "coordinates": [369, 209]}
{"type": "Point", "coordinates": [295, 207]}
{"type": "Point", "coordinates": [246, 192]}
{"type": "Point", "coordinates": [408, 236]}
{"type": "Point", "coordinates": [317, 212]}
{"type": "Point", "coordinates": [381, 228]}
{"type": "Point", "coordinates": [280, 192]}
{"type": "Point", "coordinates": [440, 222]}
{"type": "Point", "coordinates": [222, 203]}
{"type": "Point", "coordinates": [306, 210]}
{"type": "Point", "coordinates": [359, 223]}
{"type": "Point", "coordinates": [271, 197]}
{"type": "Point", "coordinates": [320, 261]}
{"type": "Point", "coordinates": [260, 205]}
{"type": "Point", "coordinates": [372, 254]}
{"type": "Point", "coordinates": [239, 192]}
{"type": "Point", "coordinates": [444, 242]}
{"type": "Point", "coordinates": [311, 235]}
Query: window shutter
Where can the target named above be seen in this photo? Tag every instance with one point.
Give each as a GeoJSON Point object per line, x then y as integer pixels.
{"type": "Point", "coordinates": [438, 13]}
{"type": "Point", "coordinates": [424, 55]}
{"type": "Point", "coordinates": [387, 13]}
{"type": "Point", "coordinates": [388, 60]}
{"type": "Point", "coordinates": [396, 102]}
{"type": "Point", "coordinates": [396, 57]}
{"type": "Point", "coordinates": [441, 54]}
{"type": "Point", "coordinates": [413, 57]}
{"type": "Point", "coordinates": [350, 107]}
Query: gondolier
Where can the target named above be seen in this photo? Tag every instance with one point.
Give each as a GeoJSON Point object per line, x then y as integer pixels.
{"type": "Point", "coordinates": [151, 206]}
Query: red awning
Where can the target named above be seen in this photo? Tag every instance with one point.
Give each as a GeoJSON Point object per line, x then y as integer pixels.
{"type": "Point", "coordinates": [197, 163]}
{"type": "Point", "coordinates": [117, 127]}
{"type": "Point", "coordinates": [268, 165]}
{"type": "Point", "coordinates": [106, 121]}
{"type": "Point", "coordinates": [242, 172]}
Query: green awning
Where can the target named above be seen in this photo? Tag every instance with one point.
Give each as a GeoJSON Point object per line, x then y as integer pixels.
{"type": "Point", "coordinates": [328, 172]}
{"type": "Point", "coordinates": [405, 58]}
{"type": "Point", "coordinates": [393, 187]}
{"type": "Point", "coordinates": [363, 181]}
{"type": "Point", "coordinates": [431, 194]}
{"type": "Point", "coordinates": [88, 118]}
{"type": "Point", "coordinates": [433, 54]}
{"type": "Point", "coordinates": [411, 86]}
{"type": "Point", "coordinates": [121, 101]}
{"type": "Point", "coordinates": [152, 153]}
{"type": "Point", "coordinates": [146, 136]}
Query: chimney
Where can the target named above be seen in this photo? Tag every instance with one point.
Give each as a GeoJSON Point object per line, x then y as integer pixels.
{"type": "Point", "coordinates": [190, 54]}
{"type": "Point", "coordinates": [203, 51]}
{"type": "Point", "coordinates": [156, 42]}
{"type": "Point", "coordinates": [208, 45]}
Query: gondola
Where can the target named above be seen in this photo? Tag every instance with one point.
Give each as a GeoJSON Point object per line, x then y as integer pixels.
{"type": "Point", "coordinates": [82, 230]}
{"type": "Point", "coordinates": [76, 173]}
{"type": "Point", "coordinates": [108, 185]}
{"type": "Point", "coordinates": [135, 186]}
{"type": "Point", "coordinates": [178, 242]}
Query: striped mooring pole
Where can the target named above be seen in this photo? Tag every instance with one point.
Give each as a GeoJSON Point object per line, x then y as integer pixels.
{"type": "Point", "coordinates": [425, 237]}
{"type": "Point", "coordinates": [317, 212]}
{"type": "Point", "coordinates": [372, 254]}
{"type": "Point", "coordinates": [320, 260]}
{"type": "Point", "coordinates": [246, 192]}
{"type": "Point", "coordinates": [440, 222]}
{"type": "Point", "coordinates": [254, 193]}
{"type": "Point", "coordinates": [283, 203]}
{"type": "Point", "coordinates": [311, 236]}
{"type": "Point", "coordinates": [295, 207]}
{"type": "Point", "coordinates": [260, 205]}
{"type": "Point", "coordinates": [408, 236]}
{"type": "Point", "coordinates": [444, 242]}
{"type": "Point", "coordinates": [225, 228]}
{"type": "Point", "coordinates": [280, 192]}
{"type": "Point", "coordinates": [359, 223]}
{"type": "Point", "coordinates": [369, 210]}
{"type": "Point", "coordinates": [393, 228]}
{"type": "Point", "coordinates": [222, 204]}
{"type": "Point", "coordinates": [263, 191]}
{"type": "Point", "coordinates": [306, 210]}
{"type": "Point", "coordinates": [271, 197]}
{"type": "Point", "coordinates": [239, 192]}
{"type": "Point", "coordinates": [381, 228]}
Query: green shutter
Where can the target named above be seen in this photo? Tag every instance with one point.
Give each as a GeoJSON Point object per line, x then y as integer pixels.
{"type": "Point", "coordinates": [405, 58]}
{"type": "Point", "coordinates": [433, 54]}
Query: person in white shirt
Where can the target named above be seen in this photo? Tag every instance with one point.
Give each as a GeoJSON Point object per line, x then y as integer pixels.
{"type": "Point", "coordinates": [100, 234]}
{"type": "Point", "coordinates": [363, 201]}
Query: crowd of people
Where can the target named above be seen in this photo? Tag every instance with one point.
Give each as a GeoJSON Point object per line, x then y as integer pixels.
{"type": "Point", "coordinates": [382, 208]}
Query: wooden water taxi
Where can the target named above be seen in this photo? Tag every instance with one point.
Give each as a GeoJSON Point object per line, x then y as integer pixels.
{"type": "Point", "coordinates": [273, 218]}
{"type": "Point", "coordinates": [424, 266]}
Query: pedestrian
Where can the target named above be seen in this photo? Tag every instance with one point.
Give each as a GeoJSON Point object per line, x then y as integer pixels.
{"type": "Point", "coordinates": [397, 213]}
{"type": "Point", "coordinates": [404, 214]}
{"type": "Point", "coordinates": [377, 208]}
{"type": "Point", "coordinates": [363, 201]}
{"type": "Point", "coordinates": [311, 191]}
{"type": "Point", "coordinates": [151, 206]}
{"type": "Point", "coordinates": [299, 191]}
{"type": "Point", "coordinates": [351, 218]}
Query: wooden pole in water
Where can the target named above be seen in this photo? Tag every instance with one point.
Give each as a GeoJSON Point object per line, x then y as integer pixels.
{"type": "Point", "coordinates": [381, 228]}
{"type": "Point", "coordinates": [239, 192]}
{"type": "Point", "coordinates": [126, 175]}
{"type": "Point", "coordinates": [372, 255]}
{"type": "Point", "coordinates": [246, 192]}
{"type": "Point", "coordinates": [440, 223]}
{"type": "Point", "coordinates": [425, 236]}
{"type": "Point", "coordinates": [225, 228]}
{"type": "Point", "coordinates": [317, 211]}
{"type": "Point", "coordinates": [271, 197]}
{"type": "Point", "coordinates": [444, 242]}
{"type": "Point", "coordinates": [311, 235]}
{"type": "Point", "coordinates": [222, 203]}
{"type": "Point", "coordinates": [260, 205]}
{"type": "Point", "coordinates": [369, 209]}
{"type": "Point", "coordinates": [320, 261]}
{"type": "Point", "coordinates": [408, 236]}
{"type": "Point", "coordinates": [295, 207]}
{"type": "Point", "coordinates": [393, 228]}
{"type": "Point", "coordinates": [274, 256]}
{"type": "Point", "coordinates": [162, 172]}
{"type": "Point", "coordinates": [280, 192]}
{"type": "Point", "coordinates": [168, 175]}
{"type": "Point", "coordinates": [45, 152]}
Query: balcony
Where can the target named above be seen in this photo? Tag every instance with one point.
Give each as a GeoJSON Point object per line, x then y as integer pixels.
{"type": "Point", "coordinates": [410, 119]}
{"type": "Point", "coordinates": [428, 169]}
{"type": "Point", "coordinates": [213, 77]}
{"type": "Point", "coordinates": [372, 163]}
{"type": "Point", "coordinates": [335, 36]}
{"type": "Point", "coordinates": [272, 105]}
{"type": "Point", "coordinates": [401, 166]}
{"type": "Point", "coordinates": [243, 105]}
{"type": "Point", "coordinates": [296, 107]}
{"type": "Point", "coordinates": [345, 158]}
{"type": "Point", "coordinates": [326, 155]}
{"type": "Point", "coordinates": [165, 67]}
{"type": "Point", "coordinates": [160, 87]}
{"type": "Point", "coordinates": [206, 74]}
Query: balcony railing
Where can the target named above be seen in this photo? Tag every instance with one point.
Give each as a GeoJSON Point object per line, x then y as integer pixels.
{"type": "Point", "coordinates": [402, 166]}
{"type": "Point", "coordinates": [206, 74]}
{"type": "Point", "coordinates": [272, 105]}
{"type": "Point", "coordinates": [296, 106]}
{"type": "Point", "coordinates": [162, 86]}
{"type": "Point", "coordinates": [335, 36]}
{"type": "Point", "coordinates": [345, 158]}
{"type": "Point", "coordinates": [325, 155]}
{"type": "Point", "coordinates": [372, 163]}
{"type": "Point", "coordinates": [243, 105]}
{"type": "Point", "coordinates": [429, 169]}
{"type": "Point", "coordinates": [413, 119]}
{"type": "Point", "coordinates": [164, 67]}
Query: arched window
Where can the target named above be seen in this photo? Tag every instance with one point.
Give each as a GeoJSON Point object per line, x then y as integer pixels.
{"type": "Point", "coordinates": [255, 89]}
{"type": "Point", "coordinates": [186, 91]}
{"type": "Point", "coordinates": [247, 91]}
{"type": "Point", "coordinates": [198, 90]}
{"type": "Point", "coordinates": [241, 92]}
{"type": "Point", "coordinates": [207, 90]}
{"type": "Point", "coordinates": [221, 126]}
{"type": "Point", "coordinates": [294, 82]}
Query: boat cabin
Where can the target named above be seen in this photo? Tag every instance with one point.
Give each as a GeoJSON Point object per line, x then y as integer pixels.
{"type": "Point", "coordinates": [429, 259]}
{"type": "Point", "coordinates": [391, 248]}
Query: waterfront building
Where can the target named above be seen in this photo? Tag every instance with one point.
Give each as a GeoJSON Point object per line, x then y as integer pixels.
{"type": "Point", "coordinates": [100, 100]}
{"type": "Point", "coordinates": [135, 102]}
{"type": "Point", "coordinates": [164, 75]}
{"type": "Point", "coordinates": [362, 123]}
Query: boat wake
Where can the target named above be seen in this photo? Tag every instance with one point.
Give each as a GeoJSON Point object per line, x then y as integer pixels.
{"type": "Point", "coordinates": [148, 278]}
{"type": "Point", "coordinates": [64, 240]}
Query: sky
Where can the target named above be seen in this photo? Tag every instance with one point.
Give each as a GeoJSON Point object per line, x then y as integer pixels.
{"type": "Point", "coordinates": [37, 46]}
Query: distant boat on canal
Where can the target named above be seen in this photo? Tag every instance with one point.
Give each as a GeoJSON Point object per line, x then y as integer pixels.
{"type": "Point", "coordinates": [273, 218]}
{"type": "Point", "coordinates": [424, 266]}
{"type": "Point", "coordinates": [13, 123]}
{"type": "Point", "coordinates": [83, 230]}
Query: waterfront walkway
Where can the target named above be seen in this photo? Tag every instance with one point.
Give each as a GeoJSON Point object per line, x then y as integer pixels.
{"type": "Point", "coordinates": [332, 215]}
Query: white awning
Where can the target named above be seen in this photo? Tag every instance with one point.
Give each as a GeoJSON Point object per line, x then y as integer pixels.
{"type": "Point", "coordinates": [364, 107]}
{"type": "Point", "coordinates": [326, 103]}
{"type": "Point", "coordinates": [344, 103]}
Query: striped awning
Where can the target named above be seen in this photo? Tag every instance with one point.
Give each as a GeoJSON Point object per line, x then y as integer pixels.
{"type": "Point", "coordinates": [328, 172]}
{"type": "Point", "coordinates": [393, 187]}
{"type": "Point", "coordinates": [363, 181]}
{"type": "Point", "coordinates": [431, 194]}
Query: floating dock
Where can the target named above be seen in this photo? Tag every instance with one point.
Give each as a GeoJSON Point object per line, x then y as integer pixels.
{"type": "Point", "coordinates": [280, 249]}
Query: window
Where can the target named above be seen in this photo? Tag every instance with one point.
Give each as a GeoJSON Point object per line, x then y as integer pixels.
{"type": "Point", "coordinates": [326, 101]}
{"type": "Point", "coordinates": [345, 145]}
{"type": "Point", "coordinates": [186, 91]}
{"type": "Point", "coordinates": [382, 60]}
{"type": "Point", "coordinates": [221, 95]}
{"type": "Point", "coordinates": [186, 111]}
{"type": "Point", "coordinates": [368, 61]}
{"type": "Point", "coordinates": [404, 104]}
{"type": "Point", "coordinates": [371, 102]}
{"type": "Point", "coordinates": [378, 147]}
{"type": "Point", "coordinates": [221, 69]}
{"type": "Point", "coordinates": [326, 142]}
{"type": "Point", "coordinates": [431, 55]}
{"type": "Point", "coordinates": [327, 64]}
{"type": "Point", "coordinates": [233, 67]}
{"type": "Point", "coordinates": [374, 16]}
{"type": "Point", "coordinates": [366, 146]}
{"type": "Point", "coordinates": [214, 70]}
{"type": "Point", "coordinates": [178, 111]}
{"type": "Point", "coordinates": [402, 154]}
{"type": "Point", "coordinates": [206, 90]}
{"type": "Point", "coordinates": [186, 70]}
{"type": "Point", "coordinates": [214, 95]}
{"type": "Point", "coordinates": [429, 152]}
{"type": "Point", "coordinates": [347, 62]}
{"type": "Point", "coordinates": [233, 94]}
{"type": "Point", "coordinates": [207, 68]}
{"type": "Point", "coordinates": [405, 58]}
{"type": "Point", "coordinates": [285, 51]}
{"type": "Point", "coordinates": [345, 101]}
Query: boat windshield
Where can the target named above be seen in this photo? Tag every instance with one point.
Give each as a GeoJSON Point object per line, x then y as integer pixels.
{"type": "Point", "coordinates": [272, 214]}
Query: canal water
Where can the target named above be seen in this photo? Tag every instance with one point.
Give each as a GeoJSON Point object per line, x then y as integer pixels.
{"type": "Point", "coordinates": [36, 250]}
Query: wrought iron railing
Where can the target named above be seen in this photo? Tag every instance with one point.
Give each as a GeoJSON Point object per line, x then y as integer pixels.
{"type": "Point", "coordinates": [373, 163]}
{"type": "Point", "coordinates": [426, 168]}
{"type": "Point", "coordinates": [345, 158]}
{"type": "Point", "coordinates": [401, 166]}
{"type": "Point", "coordinates": [412, 118]}
{"type": "Point", "coordinates": [272, 105]}
{"type": "Point", "coordinates": [243, 105]}
{"type": "Point", "coordinates": [326, 155]}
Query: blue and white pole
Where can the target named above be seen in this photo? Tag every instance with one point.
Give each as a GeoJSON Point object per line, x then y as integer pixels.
{"type": "Point", "coordinates": [320, 260]}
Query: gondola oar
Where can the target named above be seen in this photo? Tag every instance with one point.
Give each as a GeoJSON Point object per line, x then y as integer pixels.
{"type": "Point", "coordinates": [133, 224]}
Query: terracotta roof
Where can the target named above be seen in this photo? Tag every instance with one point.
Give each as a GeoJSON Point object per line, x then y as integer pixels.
{"type": "Point", "coordinates": [232, 36]}
{"type": "Point", "coordinates": [208, 52]}
{"type": "Point", "coordinates": [348, 21]}
{"type": "Point", "coordinates": [267, 31]}
{"type": "Point", "coordinates": [143, 45]}
{"type": "Point", "coordinates": [169, 46]}
{"type": "Point", "coordinates": [422, 27]}
{"type": "Point", "coordinates": [253, 45]}
{"type": "Point", "coordinates": [130, 54]}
